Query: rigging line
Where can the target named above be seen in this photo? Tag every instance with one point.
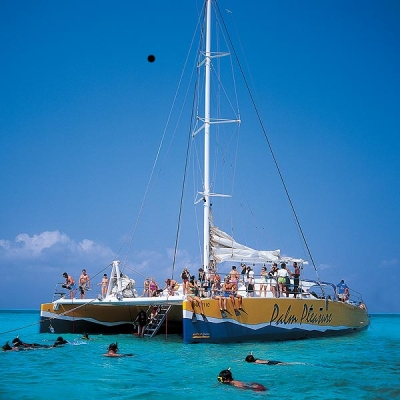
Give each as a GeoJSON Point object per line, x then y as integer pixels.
{"type": "Point", "coordinates": [186, 167]}
{"type": "Point", "coordinates": [193, 154]}
{"type": "Point", "coordinates": [147, 190]}
{"type": "Point", "coordinates": [269, 145]}
{"type": "Point", "coordinates": [47, 319]}
{"type": "Point", "coordinates": [70, 311]}
{"type": "Point", "coordinates": [184, 176]}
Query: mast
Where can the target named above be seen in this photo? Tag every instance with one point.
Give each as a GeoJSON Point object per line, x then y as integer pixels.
{"type": "Point", "coordinates": [206, 222]}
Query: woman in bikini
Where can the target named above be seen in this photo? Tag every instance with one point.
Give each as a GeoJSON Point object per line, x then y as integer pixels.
{"type": "Point", "coordinates": [146, 288]}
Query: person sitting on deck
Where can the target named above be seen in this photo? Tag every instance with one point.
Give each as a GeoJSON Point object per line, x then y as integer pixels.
{"type": "Point", "coordinates": [229, 291]}
{"type": "Point", "coordinates": [191, 290]}
{"type": "Point", "coordinates": [236, 295]}
{"type": "Point", "coordinates": [171, 285]}
{"type": "Point", "coordinates": [342, 291]}
{"type": "Point", "coordinates": [216, 293]}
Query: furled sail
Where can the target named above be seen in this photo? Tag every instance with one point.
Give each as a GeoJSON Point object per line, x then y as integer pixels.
{"type": "Point", "coordinates": [225, 248]}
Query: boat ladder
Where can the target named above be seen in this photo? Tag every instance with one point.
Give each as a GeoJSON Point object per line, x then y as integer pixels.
{"type": "Point", "coordinates": [155, 324]}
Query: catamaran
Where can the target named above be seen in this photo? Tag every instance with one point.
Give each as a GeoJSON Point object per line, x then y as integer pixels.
{"type": "Point", "coordinates": [273, 306]}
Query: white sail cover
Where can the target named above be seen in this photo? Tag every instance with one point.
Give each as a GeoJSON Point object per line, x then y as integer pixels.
{"type": "Point", "coordinates": [225, 248]}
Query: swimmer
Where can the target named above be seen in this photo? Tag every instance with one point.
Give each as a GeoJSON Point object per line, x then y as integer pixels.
{"type": "Point", "coordinates": [18, 343]}
{"type": "Point", "coordinates": [226, 378]}
{"type": "Point", "coordinates": [86, 336]}
{"type": "Point", "coordinates": [250, 358]}
{"type": "Point", "coordinates": [60, 341]}
{"type": "Point", "coordinates": [112, 351]}
{"type": "Point", "coordinates": [7, 347]}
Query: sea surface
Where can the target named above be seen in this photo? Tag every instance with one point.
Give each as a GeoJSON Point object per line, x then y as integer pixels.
{"type": "Point", "coordinates": [361, 366]}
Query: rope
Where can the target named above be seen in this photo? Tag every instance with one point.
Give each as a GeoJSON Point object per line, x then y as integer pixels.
{"type": "Point", "coordinates": [270, 148]}
{"type": "Point", "coordinates": [49, 319]}
{"type": "Point", "coordinates": [192, 118]}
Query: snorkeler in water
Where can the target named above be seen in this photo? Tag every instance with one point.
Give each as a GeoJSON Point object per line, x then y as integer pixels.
{"type": "Point", "coordinates": [20, 345]}
{"type": "Point", "coordinates": [7, 347]}
{"type": "Point", "coordinates": [250, 358]}
{"type": "Point", "coordinates": [112, 351]}
{"type": "Point", "coordinates": [226, 378]}
{"type": "Point", "coordinates": [60, 341]}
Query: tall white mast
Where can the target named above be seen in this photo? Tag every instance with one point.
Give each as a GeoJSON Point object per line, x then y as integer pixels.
{"type": "Point", "coordinates": [206, 245]}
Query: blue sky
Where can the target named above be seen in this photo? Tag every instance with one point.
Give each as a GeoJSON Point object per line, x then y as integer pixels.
{"type": "Point", "coordinates": [82, 113]}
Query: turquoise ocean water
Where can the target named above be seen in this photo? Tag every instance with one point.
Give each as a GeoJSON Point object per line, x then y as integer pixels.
{"type": "Point", "coordinates": [360, 366]}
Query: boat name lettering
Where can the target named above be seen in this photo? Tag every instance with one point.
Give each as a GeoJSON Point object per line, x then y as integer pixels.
{"type": "Point", "coordinates": [284, 318]}
{"type": "Point", "coordinates": [307, 316]}
{"type": "Point", "coordinates": [310, 317]}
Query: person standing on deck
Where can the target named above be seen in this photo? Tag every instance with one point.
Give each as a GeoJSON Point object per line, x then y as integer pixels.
{"type": "Point", "coordinates": [84, 283]}
{"type": "Point", "coordinates": [146, 287]}
{"type": "Point", "coordinates": [273, 280]}
{"type": "Point", "coordinates": [185, 275]}
{"type": "Point", "coordinates": [234, 275]}
{"type": "Point", "coordinates": [69, 284]}
{"type": "Point", "coordinates": [249, 280]}
{"type": "Point", "coordinates": [283, 273]}
{"type": "Point", "coordinates": [296, 279]}
{"type": "Point", "coordinates": [104, 286]}
{"type": "Point", "coordinates": [264, 280]}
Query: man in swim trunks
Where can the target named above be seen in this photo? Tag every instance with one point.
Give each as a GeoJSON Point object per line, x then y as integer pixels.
{"type": "Point", "coordinates": [84, 283]}
{"type": "Point", "coordinates": [69, 284]}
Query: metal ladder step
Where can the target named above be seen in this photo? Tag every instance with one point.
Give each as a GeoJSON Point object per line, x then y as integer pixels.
{"type": "Point", "coordinates": [152, 328]}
